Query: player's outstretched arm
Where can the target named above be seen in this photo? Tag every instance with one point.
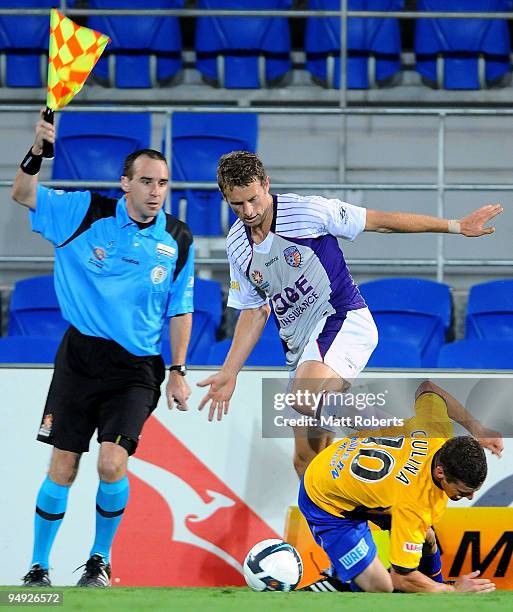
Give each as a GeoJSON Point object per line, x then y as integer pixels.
{"type": "Point", "coordinates": [470, 583]}
{"type": "Point", "coordinates": [472, 225]}
{"type": "Point", "coordinates": [488, 438]}
{"type": "Point", "coordinates": [417, 582]}
{"type": "Point", "coordinates": [24, 189]}
{"type": "Point", "coordinates": [222, 384]}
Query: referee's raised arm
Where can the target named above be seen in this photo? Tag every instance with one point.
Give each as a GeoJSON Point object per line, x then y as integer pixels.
{"type": "Point", "coordinates": [24, 189]}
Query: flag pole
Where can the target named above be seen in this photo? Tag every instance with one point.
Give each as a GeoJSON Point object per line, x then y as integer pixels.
{"type": "Point", "coordinates": [48, 148]}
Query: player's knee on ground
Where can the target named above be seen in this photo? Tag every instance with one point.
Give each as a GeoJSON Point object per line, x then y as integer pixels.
{"type": "Point", "coordinates": [375, 578]}
{"type": "Point", "coordinates": [384, 588]}
{"type": "Point", "coordinates": [378, 586]}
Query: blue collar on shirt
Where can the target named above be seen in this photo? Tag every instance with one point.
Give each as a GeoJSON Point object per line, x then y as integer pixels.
{"type": "Point", "coordinates": [157, 230]}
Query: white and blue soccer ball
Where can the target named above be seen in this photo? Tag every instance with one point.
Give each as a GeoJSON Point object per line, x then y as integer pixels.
{"type": "Point", "coordinates": [273, 565]}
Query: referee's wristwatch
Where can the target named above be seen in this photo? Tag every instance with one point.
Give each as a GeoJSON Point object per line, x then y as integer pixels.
{"type": "Point", "coordinates": [180, 368]}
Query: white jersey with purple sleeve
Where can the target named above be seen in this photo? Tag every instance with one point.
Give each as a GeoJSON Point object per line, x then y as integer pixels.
{"type": "Point", "coordinates": [299, 268]}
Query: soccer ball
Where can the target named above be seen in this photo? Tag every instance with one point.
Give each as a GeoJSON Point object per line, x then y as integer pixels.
{"type": "Point", "coordinates": [273, 565]}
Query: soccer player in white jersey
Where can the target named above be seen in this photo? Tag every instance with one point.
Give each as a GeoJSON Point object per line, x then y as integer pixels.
{"type": "Point", "coordinates": [284, 254]}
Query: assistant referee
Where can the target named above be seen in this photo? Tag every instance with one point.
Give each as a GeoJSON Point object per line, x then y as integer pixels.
{"type": "Point", "coordinates": [121, 269]}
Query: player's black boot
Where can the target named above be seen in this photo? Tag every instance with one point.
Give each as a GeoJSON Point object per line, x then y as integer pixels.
{"type": "Point", "coordinates": [96, 573]}
{"type": "Point", "coordinates": [37, 577]}
{"type": "Point", "coordinates": [327, 584]}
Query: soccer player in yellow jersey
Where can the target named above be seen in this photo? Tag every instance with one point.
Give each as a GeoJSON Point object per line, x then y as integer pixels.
{"type": "Point", "coordinates": [401, 479]}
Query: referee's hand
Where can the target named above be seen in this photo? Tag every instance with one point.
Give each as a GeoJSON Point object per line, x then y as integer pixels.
{"type": "Point", "coordinates": [44, 131]}
{"type": "Point", "coordinates": [177, 391]}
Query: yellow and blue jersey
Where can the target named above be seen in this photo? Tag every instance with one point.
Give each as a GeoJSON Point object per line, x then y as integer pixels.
{"type": "Point", "coordinates": [386, 474]}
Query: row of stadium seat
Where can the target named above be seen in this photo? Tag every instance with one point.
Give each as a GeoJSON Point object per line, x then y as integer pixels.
{"type": "Point", "coordinates": [413, 317]}
{"type": "Point", "coordinates": [253, 52]}
{"type": "Point", "coordinates": [34, 314]}
{"type": "Point", "coordinates": [419, 314]}
{"type": "Point", "coordinates": [92, 146]}
{"type": "Point", "coordinates": [477, 354]}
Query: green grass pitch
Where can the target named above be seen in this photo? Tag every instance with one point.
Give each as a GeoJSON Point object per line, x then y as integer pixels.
{"type": "Point", "coordinates": [244, 600]}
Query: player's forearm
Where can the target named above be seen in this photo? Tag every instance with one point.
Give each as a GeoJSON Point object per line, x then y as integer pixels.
{"type": "Point", "coordinates": [456, 411]}
{"type": "Point", "coordinates": [386, 222]}
{"type": "Point", "coordinates": [247, 332]}
{"type": "Point", "coordinates": [179, 336]}
{"type": "Point", "coordinates": [417, 582]}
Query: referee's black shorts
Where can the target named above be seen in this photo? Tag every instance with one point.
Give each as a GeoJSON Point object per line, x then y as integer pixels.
{"type": "Point", "coordinates": [97, 384]}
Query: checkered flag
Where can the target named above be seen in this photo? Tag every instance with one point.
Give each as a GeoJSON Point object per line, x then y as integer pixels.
{"type": "Point", "coordinates": [72, 54]}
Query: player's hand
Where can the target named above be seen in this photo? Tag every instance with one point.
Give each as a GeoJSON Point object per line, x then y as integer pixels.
{"type": "Point", "coordinates": [222, 386]}
{"type": "Point", "coordinates": [177, 391]}
{"type": "Point", "coordinates": [430, 546]}
{"type": "Point", "coordinates": [473, 224]}
{"type": "Point", "coordinates": [490, 439]}
{"type": "Point", "coordinates": [470, 583]}
{"type": "Point", "coordinates": [44, 131]}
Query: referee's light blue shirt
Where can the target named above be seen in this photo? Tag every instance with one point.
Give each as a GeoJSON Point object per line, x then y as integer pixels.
{"type": "Point", "coordinates": [114, 280]}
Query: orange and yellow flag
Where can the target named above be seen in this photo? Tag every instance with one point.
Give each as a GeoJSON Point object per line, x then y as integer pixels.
{"type": "Point", "coordinates": [73, 52]}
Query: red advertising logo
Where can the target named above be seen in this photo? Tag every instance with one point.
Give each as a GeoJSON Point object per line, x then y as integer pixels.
{"type": "Point", "coordinates": [183, 526]}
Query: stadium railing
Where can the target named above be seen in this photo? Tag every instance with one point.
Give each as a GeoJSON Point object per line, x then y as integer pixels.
{"type": "Point", "coordinates": [438, 263]}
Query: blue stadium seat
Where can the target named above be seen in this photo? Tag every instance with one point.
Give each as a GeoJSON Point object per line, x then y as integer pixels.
{"type": "Point", "coordinates": [28, 349]}
{"type": "Point", "coordinates": [490, 311]}
{"type": "Point", "coordinates": [205, 321]}
{"type": "Point", "coordinates": [463, 53]}
{"type": "Point", "coordinates": [374, 45]}
{"type": "Point", "coordinates": [395, 354]}
{"type": "Point", "coordinates": [34, 310]}
{"type": "Point", "coordinates": [412, 310]}
{"type": "Point", "coordinates": [92, 146]}
{"type": "Point", "coordinates": [267, 352]}
{"type": "Point", "coordinates": [144, 51]}
{"type": "Point", "coordinates": [24, 43]}
{"type": "Point", "coordinates": [199, 140]}
{"type": "Point", "coordinates": [477, 354]}
{"type": "Point", "coordinates": [243, 52]}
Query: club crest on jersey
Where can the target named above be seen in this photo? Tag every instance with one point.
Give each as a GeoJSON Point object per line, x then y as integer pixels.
{"type": "Point", "coordinates": [158, 275]}
{"type": "Point", "coordinates": [292, 256]}
{"type": "Point", "coordinates": [257, 276]}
